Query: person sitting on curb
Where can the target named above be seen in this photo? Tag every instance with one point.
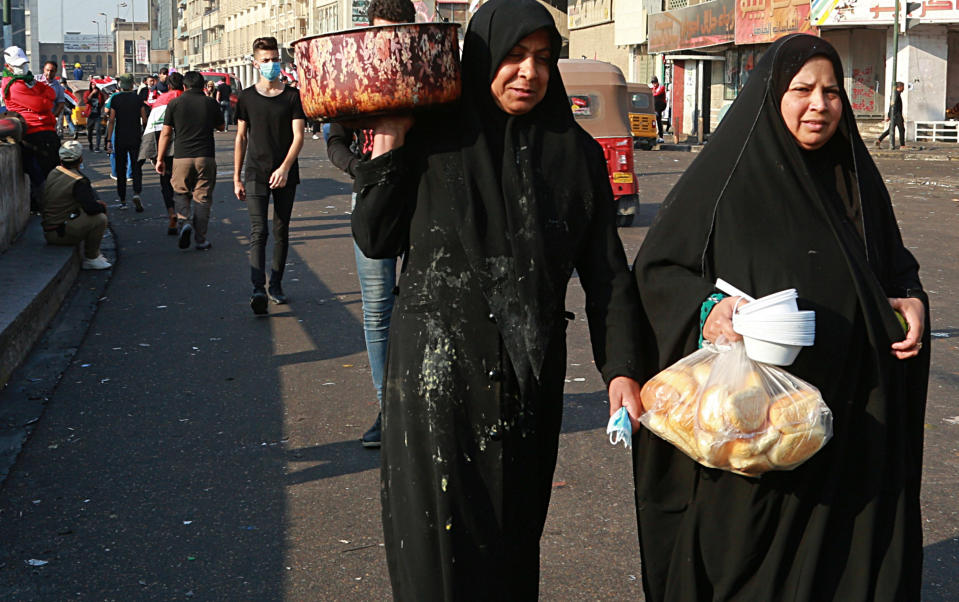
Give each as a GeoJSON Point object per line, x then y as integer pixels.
{"type": "Point", "coordinates": [72, 212]}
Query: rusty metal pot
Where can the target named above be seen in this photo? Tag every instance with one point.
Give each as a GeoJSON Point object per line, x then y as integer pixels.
{"type": "Point", "coordinates": [369, 71]}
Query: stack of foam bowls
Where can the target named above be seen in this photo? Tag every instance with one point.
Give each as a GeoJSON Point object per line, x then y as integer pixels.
{"type": "Point", "coordinates": [773, 328]}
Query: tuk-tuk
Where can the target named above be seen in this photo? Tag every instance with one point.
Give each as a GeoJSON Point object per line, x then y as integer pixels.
{"type": "Point", "coordinates": [600, 103]}
{"type": "Point", "coordinates": [642, 116]}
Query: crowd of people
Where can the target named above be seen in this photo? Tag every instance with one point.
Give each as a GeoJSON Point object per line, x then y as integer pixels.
{"type": "Point", "coordinates": [492, 204]}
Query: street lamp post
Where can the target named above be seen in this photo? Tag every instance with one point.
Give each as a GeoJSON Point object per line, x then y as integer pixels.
{"type": "Point", "coordinates": [105, 30]}
{"type": "Point", "coordinates": [99, 41]}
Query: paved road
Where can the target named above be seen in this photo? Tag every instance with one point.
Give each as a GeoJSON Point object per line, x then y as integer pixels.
{"type": "Point", "coordinates": [194, 451]}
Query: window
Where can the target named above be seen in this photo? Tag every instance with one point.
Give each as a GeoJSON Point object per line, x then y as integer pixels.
{"type": "Point", "coordinates": [99, 61]}
{"type": "Point", "coordinates": [453, 12]}
{"type": "Point", "coordinates": [739, 64]}
{"type": "Point", "coordinates": [640, 101]}
{"type": "Point", "coordinates": [89, 59]}
{"type": "Point", "coordinates": [128, 47]}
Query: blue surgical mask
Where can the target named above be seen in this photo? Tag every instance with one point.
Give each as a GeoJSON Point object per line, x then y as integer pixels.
{"type": "Point", "coordinates": [620, 429]}
{"type": "Point", "coordinates": [270, 70]}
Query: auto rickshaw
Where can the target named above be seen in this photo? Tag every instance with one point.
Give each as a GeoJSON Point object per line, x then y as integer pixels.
{"type": "Point", "coordinates": [642, 116]}
{"type": "Point", "coordinates": [600, 103]}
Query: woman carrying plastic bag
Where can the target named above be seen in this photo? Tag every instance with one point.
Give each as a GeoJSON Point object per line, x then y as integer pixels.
{"type": "Point", "coordinates": [785, 195]}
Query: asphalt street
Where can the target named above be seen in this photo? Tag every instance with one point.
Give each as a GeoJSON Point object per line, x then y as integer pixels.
{"type": "Point", "coordinates": [193, 451]}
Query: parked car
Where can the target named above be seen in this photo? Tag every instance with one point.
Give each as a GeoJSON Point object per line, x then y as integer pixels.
{"type": "Point", "coordinates": [642, 116]}
{"type": "Point", "coordinates": [600, 104]}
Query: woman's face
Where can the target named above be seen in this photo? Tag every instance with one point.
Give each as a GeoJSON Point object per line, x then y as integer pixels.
{"type": "Point", "coordinates": [812, 104]}
{"type": "Point", "coordinates": [521, 79]}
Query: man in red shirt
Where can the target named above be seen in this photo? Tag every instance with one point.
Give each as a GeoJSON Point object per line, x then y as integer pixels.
{"type": "Point", "coordinates": [34, 101]}
{"type": "Point", "coordinates": [659, 103]}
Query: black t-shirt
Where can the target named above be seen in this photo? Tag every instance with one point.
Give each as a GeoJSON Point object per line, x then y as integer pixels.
{"type": "Point", "coordinates": [269, 122]}
{"type": "Point", "coordinates": [193, 115]}
{"type": "Point", "coordinates": [223, 92]}
{"type": "Point", "coordinates": [128, 120]}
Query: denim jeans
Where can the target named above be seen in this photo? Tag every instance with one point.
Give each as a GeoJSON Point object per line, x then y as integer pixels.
{"type": "Point", "coordinates": [258, 207]}
{"type": "Point", "coordinates": [377, 281]}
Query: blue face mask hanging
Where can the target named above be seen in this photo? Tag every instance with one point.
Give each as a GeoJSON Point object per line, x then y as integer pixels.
{"type": "Point", "coordinates": [620, 429]}
{"type": "Point", "coordinates": [270, 70]}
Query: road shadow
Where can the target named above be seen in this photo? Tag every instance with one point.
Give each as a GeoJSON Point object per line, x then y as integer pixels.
{"type": "Point", "coordinates": [940, 582]}
{"type": "Point", "coordinates": [329, 460]}
{"type": "Point", "coordinates": [646, 214]}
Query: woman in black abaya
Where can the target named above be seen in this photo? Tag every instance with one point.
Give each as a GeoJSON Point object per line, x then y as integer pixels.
{"type": "Point", "coordinates": [494, 203]}
{"type": "Point", "coordinates": [786, 195]}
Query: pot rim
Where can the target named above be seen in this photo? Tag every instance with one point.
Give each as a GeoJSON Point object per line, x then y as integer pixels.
{"type": "Point", "coordinates": [364, 29]}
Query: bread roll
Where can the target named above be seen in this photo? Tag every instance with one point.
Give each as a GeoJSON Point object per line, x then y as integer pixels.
{"type": "Point", "coordinates": [795, 411]}
{"type": "Point", "coordinates": [667, 388]}
{"type": "Point", "coordinates": [753, 379]}
{"type": "Point", "coordinates": [751, 466]}
{"type": "Point", "coordinates": [746, 447]}
{"type": "Point", "coordinates": [795, 447]}
{"type": "Point", "coordinates": [712, 408]}
{"type": "Point", "coordinates": [745, 410]}
{"type": "Point", "coordinates": [682, 419]}
{"type": "Point", "coordinates": [701, 373]}
{"type": "Point", "coordinates": [713, 448]}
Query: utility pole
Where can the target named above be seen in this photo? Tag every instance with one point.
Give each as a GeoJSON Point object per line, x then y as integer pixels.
{"type": "Point", "coordinates": [895, 66]}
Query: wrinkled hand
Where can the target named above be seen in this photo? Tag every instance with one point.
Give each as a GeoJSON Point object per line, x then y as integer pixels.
{"type": "Point", "coordinates": [915, 314]}
{"type": "Point", "coordinates": [239, 189]}
{"type": "Point", "coordinates": [720, 321]}
{"type": "Point", "coordinates": [278, 178]}
{"type": "Point", "coordinates": [624, 391]}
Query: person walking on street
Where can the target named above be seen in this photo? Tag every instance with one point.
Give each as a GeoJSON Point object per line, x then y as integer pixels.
{"type": "Point", "coordinates": [223, 93]}
{"type": "Point", "coordinates": [127, 117]}
{"type": "Point", "coordinates": [659, 103]}
{"type": "Point", "coordinates": [269, 137]}
{"type": "Point", "coordinates": [72, 213]}
{"type": "Point", "coordinates": [895, 119]}
{"type": "Point", "coordinates": [94, 99]}
{"type": "Point", "coordinates": [150, 144]}
{"type": "Point", "coordinates": [33, 100]}
{"type": "Point", "coordinates": [148, 93]}
{"type": "Point", "coordinates": [49, 77]}
{"type": "Point", "coordinates": [347, 148]}
{"type": "Point", "coordinates": [77, 71]}
{"type": "Point", "coordinates": [161, 84]}
{"type": "Point", "coordinates": [192, 117]}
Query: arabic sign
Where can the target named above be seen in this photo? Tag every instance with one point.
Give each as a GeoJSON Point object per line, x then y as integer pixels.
{"type": "Point", "coordinates": [87, 42]}
{"type": "Point", "coordinates": [761, 21]}
{"type": "Point", "coordinates": [584, 13]}
{"type": "Point", "coordinates": [879, 12]}
{"type": "Point", "coordinates": [359, 13]}
{"type": "Point", "coordinates": [142, 52]}
{"type": "Point", "coordinates": [695, 26]}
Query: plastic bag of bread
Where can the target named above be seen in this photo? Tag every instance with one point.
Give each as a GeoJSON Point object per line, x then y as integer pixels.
{"type": "Point", "coordinates": [727, 411]}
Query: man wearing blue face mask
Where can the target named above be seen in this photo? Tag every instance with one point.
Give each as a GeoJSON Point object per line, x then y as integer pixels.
{"type": "Point", "coordinates": [269, 136]}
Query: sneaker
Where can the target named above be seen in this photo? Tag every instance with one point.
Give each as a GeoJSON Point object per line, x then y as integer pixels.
{"type": "Point", "coordinates": [316, 136]}
{"type": "Point", "coordinates": [276, 294]}
{"type": "Point", "coordinates": [112, 176]}
{"type": "Point", "coordinates": [171, 226]}
{"type": "Point", "coordinates": [258, 301]}
{"type": "Point", "coordinates": [99, 263]}
{"type": "Point", "coordinates": [371, 438]}
{"type": "Point", "coordinates": [660, 140]}
{"type": "Point", "coordinates": [203, 246]}
{"type": "Point", "coordinates": [138, 203]}
{"type": "Point", "coordinates": [185, 232]}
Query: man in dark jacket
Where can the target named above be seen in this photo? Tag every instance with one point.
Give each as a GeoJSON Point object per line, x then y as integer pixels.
{"type": "Point", "coordinates": [72, 213]}
{"type": "Point", "coordinates": [895, 119]}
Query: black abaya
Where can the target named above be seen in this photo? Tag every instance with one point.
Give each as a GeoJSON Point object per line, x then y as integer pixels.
{"type": "Point", "coordinates": [493, 214]}
{"type": "Point", "coordinates": [757, 211]}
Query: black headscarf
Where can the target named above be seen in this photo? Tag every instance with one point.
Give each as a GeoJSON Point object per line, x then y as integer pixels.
{"type": "Point", "coordinates": [758, 211]}
{"type": "Point", "coordinates": [513, 165]}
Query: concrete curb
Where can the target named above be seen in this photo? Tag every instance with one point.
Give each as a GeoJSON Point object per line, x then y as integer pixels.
{"type": "Point", "coordinates": [34, 280]}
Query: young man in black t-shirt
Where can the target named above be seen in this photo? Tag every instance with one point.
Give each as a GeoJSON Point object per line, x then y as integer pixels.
{"type": "Point", "coordinates": [269, 136]}
{"type": "Point", "coordinates": [127, 116]}
{"type": "Point", "coordinates": [192, 116]}
{"type": "Point", "coordinates": [223, 93]}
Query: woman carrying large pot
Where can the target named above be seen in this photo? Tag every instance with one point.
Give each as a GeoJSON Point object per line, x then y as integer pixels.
{"type": "Point", "coordinates": [494, 203]}
{"type": "Point", "coordinates": [786, 195]}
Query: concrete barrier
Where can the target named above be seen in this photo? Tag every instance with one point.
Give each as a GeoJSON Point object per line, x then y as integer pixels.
{"type": "Point", "coordinates": [14, 195]}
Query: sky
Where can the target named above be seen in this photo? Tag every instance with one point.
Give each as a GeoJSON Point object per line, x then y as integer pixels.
{"type": "Point", "coordinates": [79, 15]}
